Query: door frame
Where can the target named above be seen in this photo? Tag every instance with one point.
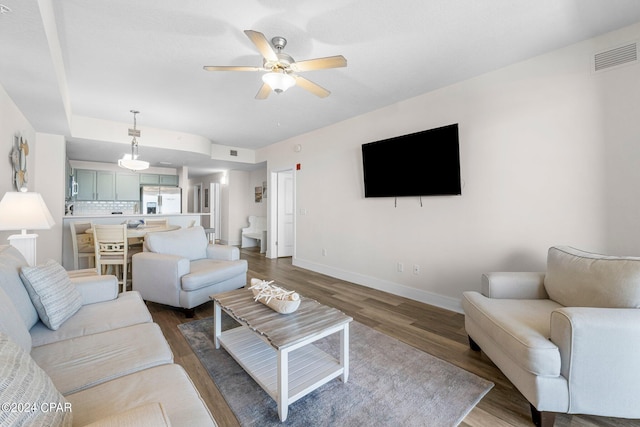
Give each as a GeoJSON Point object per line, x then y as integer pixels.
{"type": "Point", "coordinates": [272, 211]}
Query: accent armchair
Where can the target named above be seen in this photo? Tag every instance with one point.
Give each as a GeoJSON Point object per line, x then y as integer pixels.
{"type": "Point", "coordinates": [568, 339]}
{"type": "Point", "coordinates": [182, 269]}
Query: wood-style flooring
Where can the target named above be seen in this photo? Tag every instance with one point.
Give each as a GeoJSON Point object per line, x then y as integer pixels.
{"type": "Point", "coordinates": [431, 329]}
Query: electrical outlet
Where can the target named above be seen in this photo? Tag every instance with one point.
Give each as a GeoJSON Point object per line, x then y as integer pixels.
{"type": "Point", "coordinates": [416, 269]}
{"type": "Point", "coordinates": [324, 252]}
{"type": "Point", "coordinates": [400, 267]}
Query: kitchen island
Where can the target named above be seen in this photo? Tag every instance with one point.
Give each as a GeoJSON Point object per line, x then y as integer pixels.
{"type": "Point", "coordinates": [182, 220]}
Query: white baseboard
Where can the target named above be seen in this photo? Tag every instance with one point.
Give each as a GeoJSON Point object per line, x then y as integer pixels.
{"type": "Point", "coordinates": [426, 297]}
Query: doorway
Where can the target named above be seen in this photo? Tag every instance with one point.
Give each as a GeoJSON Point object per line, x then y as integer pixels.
{"type": "Point", "coordinates": [214, 209]}
{"type": "Point", "coordinates": [283, 210]}
{"type": "Point", "coordinates": [197, 198]}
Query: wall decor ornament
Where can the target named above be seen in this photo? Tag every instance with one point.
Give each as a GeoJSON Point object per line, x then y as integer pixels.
{"type": "Point", "coordinates": [19, 155]}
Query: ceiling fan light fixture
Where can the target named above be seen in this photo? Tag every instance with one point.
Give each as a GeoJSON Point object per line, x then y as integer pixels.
{"type": "Point", "coordinates": [132, 162]}
{"type": "Point", "coordinates": [279, 81]}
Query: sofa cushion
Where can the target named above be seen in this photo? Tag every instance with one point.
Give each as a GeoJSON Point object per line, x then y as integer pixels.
{"type": "Point", "coordinates": [576, 278]}
{"type": "Point", "coordinates": [11, 323]}
{"type": "Point", "coordinates": [52, 293]}
{"type": "Point", "coordinates": [190, 243]}
{"type": "Point", "coordinates": [83, 362]}
{"type": "Point", "coordinates": [128, 309]}
{"type": "Point", "coordinates": [521, 328]}
{"type": "Point", "coordinates": [11, 261]}
{"type": "Point", "coordinates": [148, 415]}
{"type": "Point", "coordinates": [25, 387]}
{"type": "Point", "coordinates": [167, 384]}
{"type": "Point", "coordinates": [206, 272]}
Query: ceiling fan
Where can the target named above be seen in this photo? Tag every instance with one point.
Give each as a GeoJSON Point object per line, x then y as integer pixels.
{"type": "Point", "coordinates": [281, 68]}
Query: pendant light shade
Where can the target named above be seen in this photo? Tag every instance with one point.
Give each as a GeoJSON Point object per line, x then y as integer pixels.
{"type": "Point", "coordinates": [132, 163]}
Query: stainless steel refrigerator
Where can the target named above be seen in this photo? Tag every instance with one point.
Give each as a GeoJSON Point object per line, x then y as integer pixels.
{"type": "Point", "coordinates": [160, 200]}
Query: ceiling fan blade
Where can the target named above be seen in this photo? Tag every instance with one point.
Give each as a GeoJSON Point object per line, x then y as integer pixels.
{"type": "Point", "coordinates": [264, 91]}
{"type": "Point", "coordinates": [263, 45]}
{"type": "Point", "coordinates": [231, 68]}
{"type": "Point", "coordinates": [320, 63]}
{"type": "Point", "coordinates": [312, 87]}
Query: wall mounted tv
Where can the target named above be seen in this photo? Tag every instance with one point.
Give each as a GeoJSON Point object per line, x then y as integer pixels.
{"type": "Point", "coordinates": [424, 163]}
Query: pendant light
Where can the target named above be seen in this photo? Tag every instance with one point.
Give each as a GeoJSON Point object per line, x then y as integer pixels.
{"type": "Point", "coordinates": [132, 163]}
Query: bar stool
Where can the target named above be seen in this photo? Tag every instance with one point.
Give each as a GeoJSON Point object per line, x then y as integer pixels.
{"type": "Point", "coordinates": [162, 222]}
{"type": "Point", "coordinates": [82, 242]}
{"type": "Point", "coordinates": [111, 249]}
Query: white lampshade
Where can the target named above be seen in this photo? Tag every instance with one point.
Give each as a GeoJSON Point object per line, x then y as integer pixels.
{"type": "Point", "coordinates": [24, 211]}
{"type": "Point", "coordinates": [278, 81]}
{"type": "Point", "coordinates": [133, 164]}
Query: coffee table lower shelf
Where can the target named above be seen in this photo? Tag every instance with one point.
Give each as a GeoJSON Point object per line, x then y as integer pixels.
{"type": "Point", "coordinates": [308, 367]}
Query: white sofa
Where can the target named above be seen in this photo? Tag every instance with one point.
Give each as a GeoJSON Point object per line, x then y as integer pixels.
{"type": "Point", "coordinates": [107, 364]}
{"type": "Point", "coordinates": [256, 231]}
{"type": "Point", "coordinates": [182, 269]}
{"type": "Point", "coordinates": [569, 338]}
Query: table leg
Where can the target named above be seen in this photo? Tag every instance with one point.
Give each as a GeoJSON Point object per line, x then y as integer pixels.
{"type": "Point", "coordinates": [217, 323]}
{"type": "Point", "coordinates": [344, 352]}
{"type": "Point", "coordinates": [283, 384]}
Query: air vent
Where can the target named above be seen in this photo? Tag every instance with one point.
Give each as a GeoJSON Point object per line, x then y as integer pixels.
{"type": "Point", "coordinates": [622, 55]}
{"type": "Point", "coordinates": [233, 153]}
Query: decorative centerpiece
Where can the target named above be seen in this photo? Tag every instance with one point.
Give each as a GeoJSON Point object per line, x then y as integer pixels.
{"type": "Point", "coordinates": [275, 297]}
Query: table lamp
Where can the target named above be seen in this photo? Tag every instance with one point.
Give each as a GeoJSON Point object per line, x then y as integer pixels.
{"type": "Point", "coordinates": [22, 211]}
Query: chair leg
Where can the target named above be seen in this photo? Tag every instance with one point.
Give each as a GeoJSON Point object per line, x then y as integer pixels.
{"type": "Point", "coordinates": [542, 419]}
{"type": "Point", "coordinates": [474, 346]}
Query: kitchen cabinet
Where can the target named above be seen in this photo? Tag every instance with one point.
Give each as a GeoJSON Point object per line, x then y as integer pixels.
{"type": "Point", "coordinates": [107, 185]}
{"type": "Point", "coordinates": [155, 179]}
{"type": "Point", "coordinates": [86, 181]}
{"type": "Point", "coordinates": [105, 188]}
{"type": "Point", "coordinates": [127, 186]}
{"type": "Point", "coordinates": [169, 180]}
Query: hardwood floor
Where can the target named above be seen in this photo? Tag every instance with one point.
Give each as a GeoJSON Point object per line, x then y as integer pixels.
{"type": "Point", "coordinates": [431, 329]}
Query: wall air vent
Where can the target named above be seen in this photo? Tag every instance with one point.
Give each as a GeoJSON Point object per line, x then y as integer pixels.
{"type": "Point", "coordinates": [233, 153]}
{"type": "Point", "coordinates": [616, 57]}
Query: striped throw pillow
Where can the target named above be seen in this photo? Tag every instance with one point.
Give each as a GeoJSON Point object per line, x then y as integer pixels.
{"type": "Point", "coordinates": [52, 293]}
{"type": "Point", "coordinates": [27, 394]}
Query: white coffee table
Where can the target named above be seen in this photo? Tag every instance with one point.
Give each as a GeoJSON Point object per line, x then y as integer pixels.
{"type": "Point", "coordinates": [276, 350]}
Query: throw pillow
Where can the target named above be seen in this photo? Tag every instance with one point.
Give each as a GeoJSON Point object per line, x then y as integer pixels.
{"type": "Point", "coordinates": [52, 293]}
{"type": "Point", "coordinates": [27, 394]}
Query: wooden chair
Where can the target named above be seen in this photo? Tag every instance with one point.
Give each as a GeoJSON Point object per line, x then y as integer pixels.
{"type": "Point", "coordinates": [161, 222]}
{"type": "Point", "coordinates": [111, 249]}
{"type": "Point", "coordinates": [82, 242]}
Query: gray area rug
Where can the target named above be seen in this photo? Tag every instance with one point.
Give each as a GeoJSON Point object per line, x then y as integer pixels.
{"type": "Point", "coordinates": [390, 384]}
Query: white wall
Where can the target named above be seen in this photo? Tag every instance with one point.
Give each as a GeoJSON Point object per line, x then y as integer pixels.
{"type": "Point", "coordinates": [549, 155]}
{"type": "Point", "coordinates": [49, 180]}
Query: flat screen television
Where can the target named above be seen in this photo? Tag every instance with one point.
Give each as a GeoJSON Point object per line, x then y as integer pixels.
{"type": "Point", "coordinates": [425, 163]}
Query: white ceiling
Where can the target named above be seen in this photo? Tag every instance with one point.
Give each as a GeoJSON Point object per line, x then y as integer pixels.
{"type": "Point", "coordinates": [118, 55]}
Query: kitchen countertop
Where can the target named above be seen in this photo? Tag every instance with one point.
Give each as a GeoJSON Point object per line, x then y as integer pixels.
{"type": "Point", "coordinates": [133, 215]}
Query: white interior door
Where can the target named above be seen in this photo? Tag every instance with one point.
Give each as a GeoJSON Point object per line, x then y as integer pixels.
{"type": "Point", "coordinates": [285, 194]}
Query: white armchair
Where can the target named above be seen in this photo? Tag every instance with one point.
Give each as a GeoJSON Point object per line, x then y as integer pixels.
{"type": "Point", "coordinates": [182, 269]}
{"type": "Point", "coordinates": [569, 338]}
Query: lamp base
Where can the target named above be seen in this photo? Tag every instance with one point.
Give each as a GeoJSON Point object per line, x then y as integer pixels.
{"type": "Point", "coordinates": [26, 244]}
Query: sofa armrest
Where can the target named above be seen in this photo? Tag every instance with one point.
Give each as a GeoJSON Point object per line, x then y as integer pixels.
{"type": "Point", "coordinates": [96, 288]}
{"type": "Point", "coordinates": [150, 414]}
{"type": "Point", "coordinates": [223, 252]}
{"type": "Point", "coordinates": [158, 277]}
{"type": "Point", "coordinates": [514, 285]}
{"type": "Point", "coordinates": [599, 350]}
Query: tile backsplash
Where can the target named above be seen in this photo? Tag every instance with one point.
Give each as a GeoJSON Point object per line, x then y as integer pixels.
{"type": "Point", "coordinates": [105, 207]}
